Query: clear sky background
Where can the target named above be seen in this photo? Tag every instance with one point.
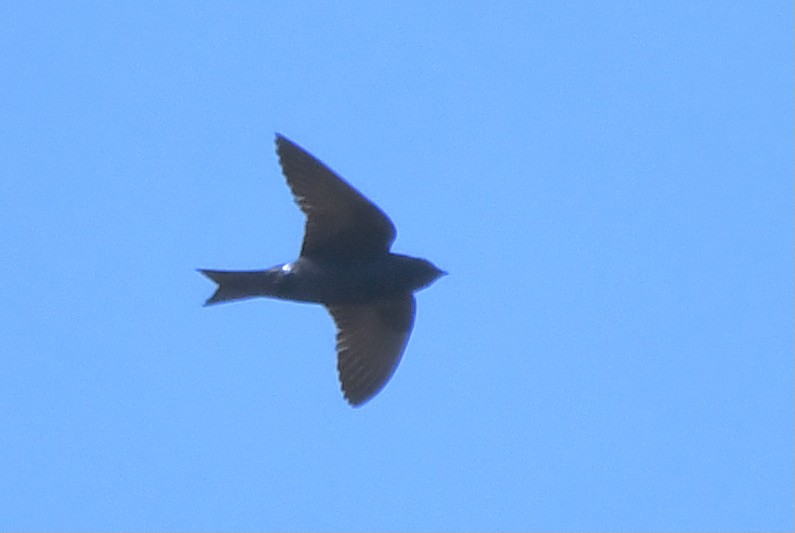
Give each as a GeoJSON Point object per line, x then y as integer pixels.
{"type": "Point", "coordinates": [609, 185]}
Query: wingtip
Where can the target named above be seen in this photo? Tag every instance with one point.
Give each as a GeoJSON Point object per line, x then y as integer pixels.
{"type": "Point", "coordinates": [358, 398]}
{"type": "Point", "coordinates": [281, 139]}
{"type": "Point", "coordinates": [281, 142]}
{"type": "Point", "coordinates": [358, 402]}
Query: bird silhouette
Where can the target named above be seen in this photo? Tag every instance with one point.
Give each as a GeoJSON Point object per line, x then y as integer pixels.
{"type": "Point", "coordinates": [346, 265]}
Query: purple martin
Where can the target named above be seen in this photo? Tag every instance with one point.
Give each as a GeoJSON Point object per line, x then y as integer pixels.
{"type": "Point", "coordinates": [346, 265]}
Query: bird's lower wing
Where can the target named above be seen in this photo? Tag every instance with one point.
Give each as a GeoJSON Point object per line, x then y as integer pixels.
{"type": "Point", "coordinates": [371, 339]}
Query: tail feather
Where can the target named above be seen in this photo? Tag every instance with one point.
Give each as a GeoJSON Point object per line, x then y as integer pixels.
{"type": "Point", "coordinates": [232, 285]}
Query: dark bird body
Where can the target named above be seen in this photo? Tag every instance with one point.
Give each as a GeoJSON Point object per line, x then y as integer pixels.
{"type": "Point", "coordinates": [346, 265]}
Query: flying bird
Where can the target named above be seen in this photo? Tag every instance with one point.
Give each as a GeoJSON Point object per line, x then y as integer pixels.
{"type": "Point", "coordinates": [346, 265]}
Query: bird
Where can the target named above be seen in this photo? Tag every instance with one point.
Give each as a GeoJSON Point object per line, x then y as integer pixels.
{"type": "Point", "coordinates": [346, 265]}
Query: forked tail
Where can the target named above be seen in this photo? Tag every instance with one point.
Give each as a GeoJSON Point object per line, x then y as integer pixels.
{"type": "Point", "coordinates": [234, 285]}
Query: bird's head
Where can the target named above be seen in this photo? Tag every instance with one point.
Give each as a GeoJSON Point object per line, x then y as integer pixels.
{"type": "Point", "coordinates": [423, 272]}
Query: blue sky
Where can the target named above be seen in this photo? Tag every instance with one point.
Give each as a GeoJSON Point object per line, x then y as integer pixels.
{"type": "Point", "coordinates": [609, 185]}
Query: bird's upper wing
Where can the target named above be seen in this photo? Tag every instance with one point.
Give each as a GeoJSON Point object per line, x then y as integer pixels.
{"type": "Point", "coordinates": [371, 338]}
{"type": "Point", "coordinates": [339, 219]}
